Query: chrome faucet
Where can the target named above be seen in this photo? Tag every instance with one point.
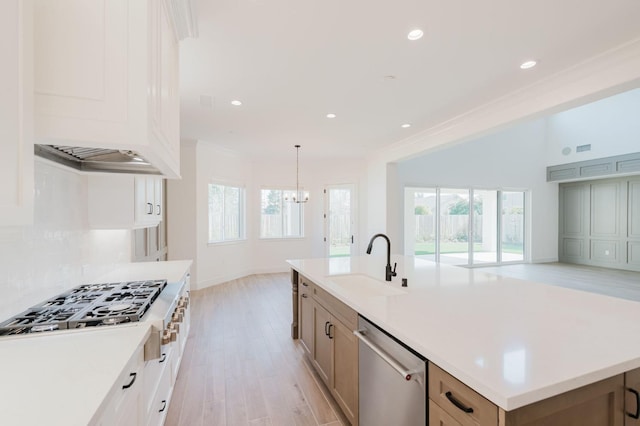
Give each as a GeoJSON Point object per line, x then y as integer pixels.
{"type": "Point", "coordinates": [389, 273]}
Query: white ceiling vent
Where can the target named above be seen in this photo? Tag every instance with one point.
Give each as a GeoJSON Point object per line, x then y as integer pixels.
{"type": "Point", "coordinates": [583, 148]}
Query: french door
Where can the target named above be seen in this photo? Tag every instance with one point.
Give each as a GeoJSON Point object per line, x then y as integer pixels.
{"type": "Point", "coordinates": [340, 220]}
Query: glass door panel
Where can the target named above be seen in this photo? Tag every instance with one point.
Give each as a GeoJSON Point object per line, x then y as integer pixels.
{"type": "Point", "coordinates": [454, 226]}
{"type": "Point", "coordinates": [422, 214]}
{"type": "Point", "coordinates": [485, 226]}
{"type": "Point", "coordinates": [340, 220]}
{"type": "Point", "coordinates": [512, 226]}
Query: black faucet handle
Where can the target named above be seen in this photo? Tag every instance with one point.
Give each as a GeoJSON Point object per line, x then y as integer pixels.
{"type": "Point", "coordinates": [393, 273]}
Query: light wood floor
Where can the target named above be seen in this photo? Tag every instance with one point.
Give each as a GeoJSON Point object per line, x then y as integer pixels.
{"type": "Point", "coordinates": [241, 366]}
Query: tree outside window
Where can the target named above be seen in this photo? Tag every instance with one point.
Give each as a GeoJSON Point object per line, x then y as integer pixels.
{"type": "Point", "coordinates": [280, 218]}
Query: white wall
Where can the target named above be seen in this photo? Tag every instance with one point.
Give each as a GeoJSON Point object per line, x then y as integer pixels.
{"type": "Point", "coordinates": [181, 215]}
{"type": "Point", "coordinates": [611, 126]}
{"type": "Point", "coordinates": [511, 159]}
{"type": "Point", "coordinates": [269, 255]}
{"type": "Point", "coordinates": [58, 251]}
{"type": "Point", "coordinates": [217, 263]}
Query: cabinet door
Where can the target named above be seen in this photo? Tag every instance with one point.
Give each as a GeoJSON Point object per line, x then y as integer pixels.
{"type": "Point", "coordinates": [322, 344]}
{"type": "Point", "coordinates": [157, 198]}
{"type": "Point", "coordinates": [305, 320]}
{"type": "Point", "coordinates": [163, 85]}
{"type": "Point", "coordinates": [632, 400]}
{"type": "Point", "coordinates": [16, 114]}
{"type": "Point", "coordinates": [345, 369]}
{"type": "Point", "coordinates": [145, 208]}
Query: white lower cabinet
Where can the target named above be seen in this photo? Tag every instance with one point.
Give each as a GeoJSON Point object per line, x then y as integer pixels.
{"type": "Point", "coordinates": [158, 384]}
{"type": "Point", "coordinates": [125, 404]}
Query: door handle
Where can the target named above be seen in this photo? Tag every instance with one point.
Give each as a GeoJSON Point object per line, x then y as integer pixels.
{"type": "Point", "coordinates": [352, 239]}
{"type": "Point", "coordinates": [326, 325]}
{"type": "Point", "coordinates": [329, 333]}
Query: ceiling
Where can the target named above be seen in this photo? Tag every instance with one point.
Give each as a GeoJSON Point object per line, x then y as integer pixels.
{"type": "Point", "coordinates": [291, 62]}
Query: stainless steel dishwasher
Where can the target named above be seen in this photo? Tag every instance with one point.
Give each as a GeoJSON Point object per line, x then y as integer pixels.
{"type": "Point", "coordinates": [392, 380]}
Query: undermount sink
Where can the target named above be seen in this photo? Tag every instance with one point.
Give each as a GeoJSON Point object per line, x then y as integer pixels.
{"type": "Point", "coordinates": [365, 285]}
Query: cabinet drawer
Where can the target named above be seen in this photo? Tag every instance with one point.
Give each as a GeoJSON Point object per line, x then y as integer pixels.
{"type": "Point", "coordinates": [439, 417]}
{"type": "Point", "coordinates": [444, 389]}
{"type": "Point", "coordinates": [305, 285]}
{"type": "Point", "coordinates": [338, 309]}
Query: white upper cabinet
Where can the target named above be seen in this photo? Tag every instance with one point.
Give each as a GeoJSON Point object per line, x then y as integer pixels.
{"type": "Point", "coordinates": [106, 76]}
{"type": "Point", "coordinates": [124, 201]}
{"type": "Point", "coordinates": [16, 113]}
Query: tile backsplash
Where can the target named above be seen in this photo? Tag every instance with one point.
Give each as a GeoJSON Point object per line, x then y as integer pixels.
{"type": "Point", "coordinates": [58, 251]}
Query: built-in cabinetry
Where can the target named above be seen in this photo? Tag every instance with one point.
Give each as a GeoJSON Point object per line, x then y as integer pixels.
{"type": "Point", "coordinates": [599, 223]}
{"type": "Point", "coordinates": [142, 393]}
{"type": "Point", "coordinates": [106, 76]}
{"type": "Point", "coordinates": [124, 201]}
{"type": "Point", "coordinates": [125, 403]}
{"type": "Point", "coordinates": [325, 327]}
{"type": "Point", "coordinates": [603, 403]}
{"type": "Point", "coordinates": [16, 113]}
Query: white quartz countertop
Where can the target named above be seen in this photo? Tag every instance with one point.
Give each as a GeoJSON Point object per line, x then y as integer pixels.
{"type": "Point", "coordinates": [172, 271]}
{"type": "Point", "coordinates": [62, 377]}
{"type": "Point", "coordinates": [515, 342]}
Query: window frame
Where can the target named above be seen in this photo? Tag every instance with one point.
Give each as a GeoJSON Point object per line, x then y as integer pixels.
{"type": "Point", "coordinates": [436, 190]}
{"type": "Point", "coordinates": [242, 212]}
{"type": "Point", "coordinates": [301, 213]}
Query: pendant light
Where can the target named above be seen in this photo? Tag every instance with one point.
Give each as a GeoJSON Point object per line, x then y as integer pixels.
{"type": "Point", "coordinates": [299, 196]}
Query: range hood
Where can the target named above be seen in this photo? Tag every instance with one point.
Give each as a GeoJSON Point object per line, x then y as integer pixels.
{"type": "Point", "coordinates": [96, 159]}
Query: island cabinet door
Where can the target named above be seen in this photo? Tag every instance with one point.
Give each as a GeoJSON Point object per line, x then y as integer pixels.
{"type": "Point", "coordinates": [598, 404]}
{"type": "Point", "coordinates": [322, 347]}
{"type": "Point", "coordinates": [632, 398]}
{"type": "Point", "coordinates": [345, 369]}
{"type": "Point", "coordinates": [305, 320]}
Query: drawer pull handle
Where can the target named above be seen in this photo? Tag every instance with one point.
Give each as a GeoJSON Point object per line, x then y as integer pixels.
{"type": "Point", "coordinates": [329, 333]}
{"type": "Point", "coordinates": [457, 403]}
{"type": "Point", "coordinates": [164, 405]}
{"type": "Point", "coordinates": [635, 415]}
{"type": "Point", "coordinates": [304, 295]}
{"type": "Point", "coordinates": [305, 284]}
{"type": "Point", "coordinates": [133, 380]}
{"type": "Point", "coordinates": [164, 358]}
{"type": "Point", "coordinates": [150, 208]}
{"type": "Point", "coordinates": [326, 325]}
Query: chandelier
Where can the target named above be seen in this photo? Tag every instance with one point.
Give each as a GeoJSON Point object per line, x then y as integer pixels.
{"type": "Point", "coordinates": [298, 196]}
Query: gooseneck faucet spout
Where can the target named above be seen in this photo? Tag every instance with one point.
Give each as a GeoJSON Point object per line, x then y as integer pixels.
{"type": "Point", "coordinates": [389, 272]}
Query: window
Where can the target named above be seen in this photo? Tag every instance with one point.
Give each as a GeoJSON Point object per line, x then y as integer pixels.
{"type": "Point", "coordinates": [226, 213]}
{"type": "Point", "coordinates": [465, 226]}
{"type": "Point", "coordinates": [280, 218]}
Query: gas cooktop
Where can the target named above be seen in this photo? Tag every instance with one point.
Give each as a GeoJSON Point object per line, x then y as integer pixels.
{"type": "Point", "coordinates": [87, 305]}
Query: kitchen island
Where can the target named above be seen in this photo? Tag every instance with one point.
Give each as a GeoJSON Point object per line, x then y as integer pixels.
{"type": "Point", "coordinates": [95, 375]}
{"type": "Point", "coordinates": [514, 342]}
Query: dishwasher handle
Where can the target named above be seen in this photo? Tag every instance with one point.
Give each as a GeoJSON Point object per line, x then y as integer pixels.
{"type": "Point", "coordinates": [404, 372]}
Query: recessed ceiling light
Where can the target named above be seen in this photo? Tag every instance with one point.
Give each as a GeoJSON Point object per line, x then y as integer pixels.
{"type": "Point", "coordinates": [331, 115]}
{"type": "Point", "coordinates": [236, 102]}
{"type": "Point", "coordinates": [528, 64]}
{"type": "Point", "coordinates": [406, 125]}
{"type": "Point", "coordinates": [415, 34]}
